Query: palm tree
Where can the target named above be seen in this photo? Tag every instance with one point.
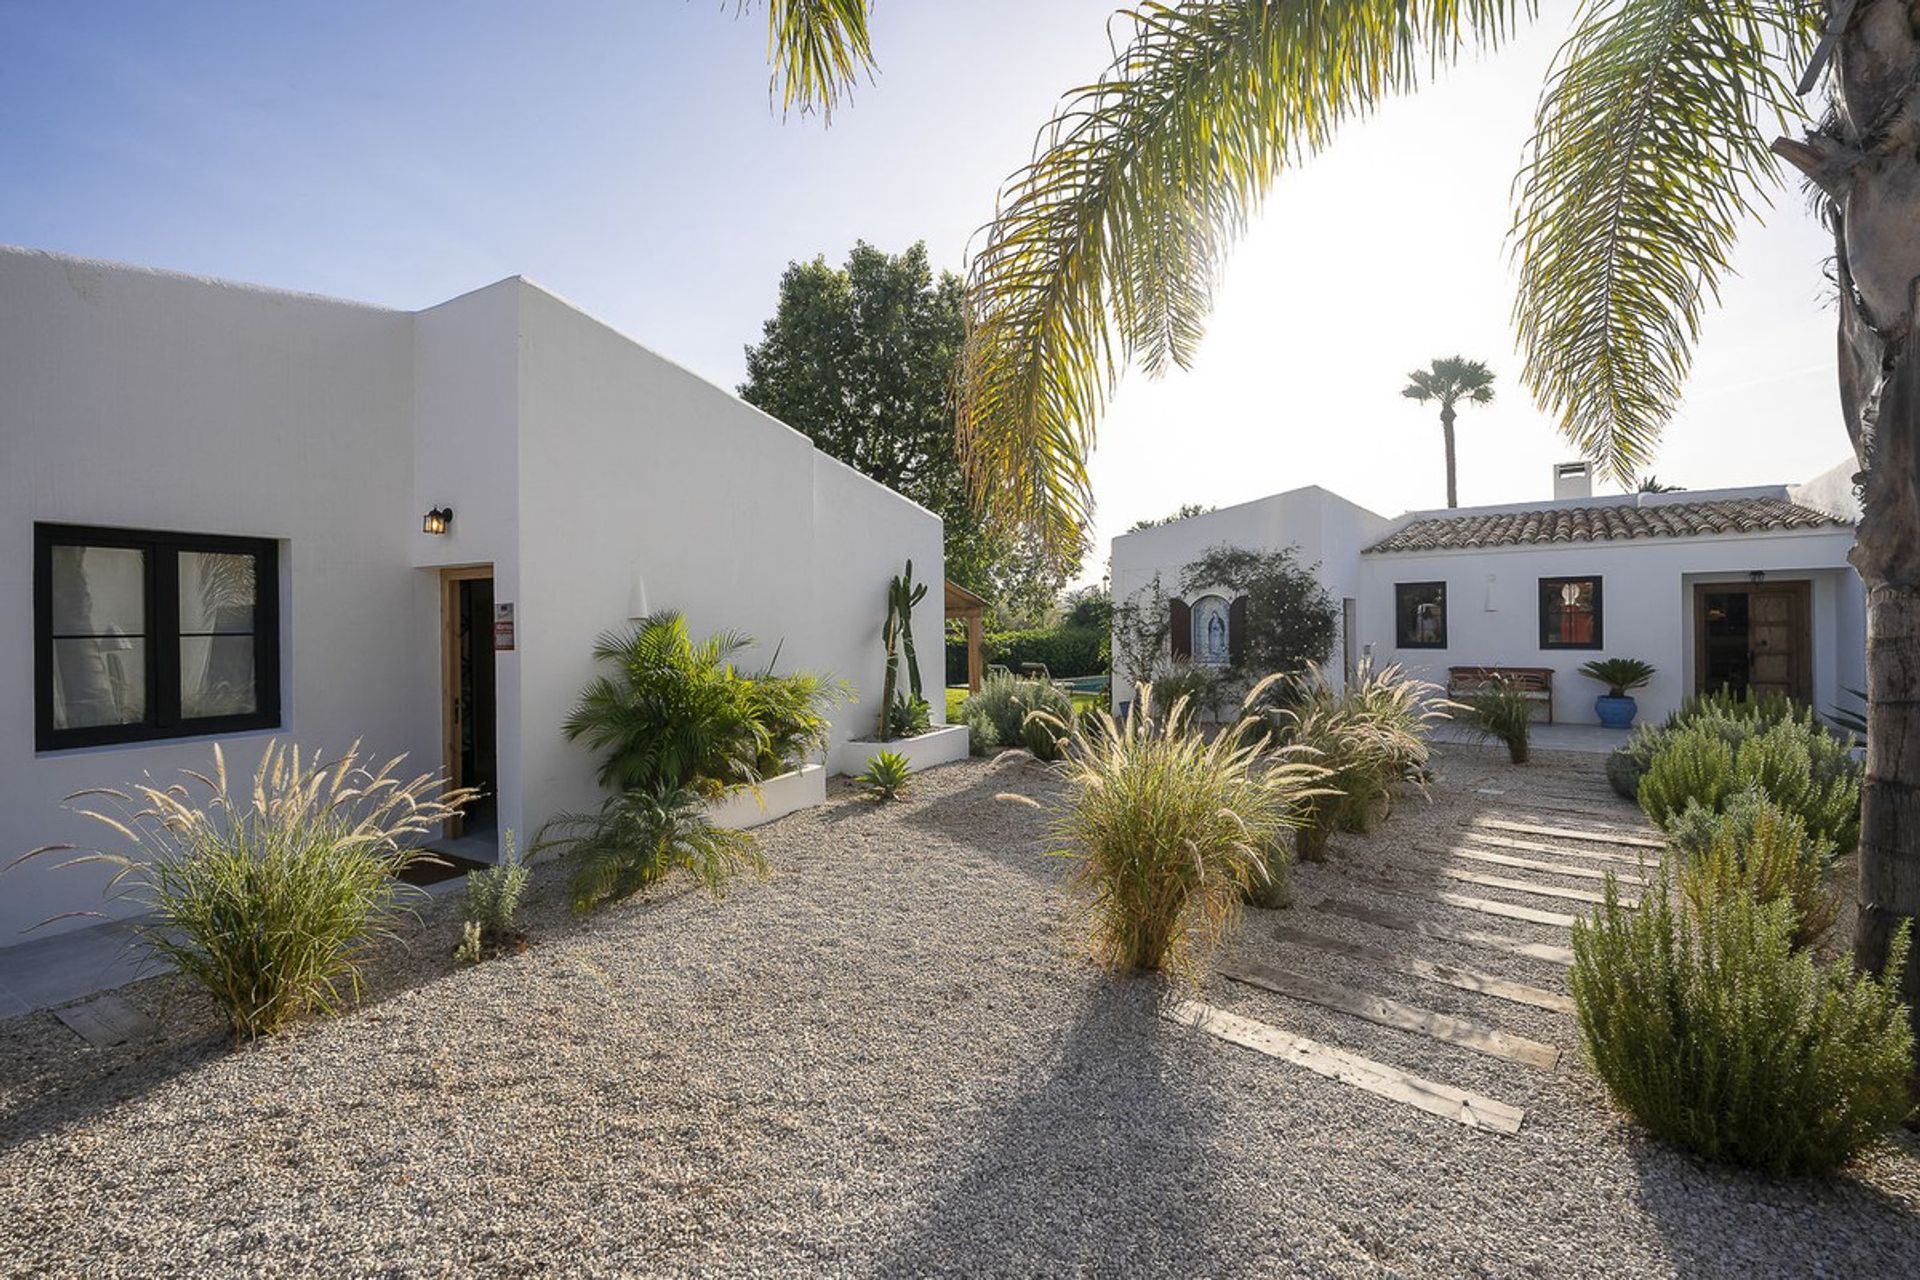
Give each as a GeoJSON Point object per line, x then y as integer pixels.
{"type": "Point", "coordinates": [1653, 144]}
{"type": "Point", "coordinates": [1450, 379]}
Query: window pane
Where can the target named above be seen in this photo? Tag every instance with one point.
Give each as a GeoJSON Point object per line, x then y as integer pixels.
{"type": "Point", "coordinates": [1571, 615]}
{"type": "Point", "coordinates": [99, 591]}
{"type": "Point", "coordinates": [216, 676]}
{"type": "Point", "coordinates": [216, 593]}
{"type": "Point", "coordinates": [1421, 614]}
{"type": "Point", "coordinates": [99, 681]}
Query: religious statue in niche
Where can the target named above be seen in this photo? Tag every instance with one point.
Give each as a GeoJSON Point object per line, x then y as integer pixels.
{"type": "Point", "coordinates": [1211, 643]}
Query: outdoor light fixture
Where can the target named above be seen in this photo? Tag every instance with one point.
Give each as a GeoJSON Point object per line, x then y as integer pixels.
{"type": "Point", "coordinates": [437, 520]}
{"type": "Point", "coordinates": [1757, 577]}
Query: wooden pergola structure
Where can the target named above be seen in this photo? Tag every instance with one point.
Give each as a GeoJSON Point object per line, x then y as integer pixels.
{"type": "Point", "coordinates": [962, 603]}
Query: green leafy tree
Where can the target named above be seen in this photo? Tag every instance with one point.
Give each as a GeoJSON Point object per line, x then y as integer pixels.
{"type": "Point", "coordinates": [1656, 139]}
{"type": "Point", "coordinates": [1187, 510]}
{"type": "Point", "coordinates": [1446, 382]}
{"type": "Point", "coordinates": [860, 358]}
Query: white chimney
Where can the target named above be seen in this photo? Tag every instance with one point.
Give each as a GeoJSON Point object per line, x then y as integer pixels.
{"type": "Point", "coordinates": [1572, 480]}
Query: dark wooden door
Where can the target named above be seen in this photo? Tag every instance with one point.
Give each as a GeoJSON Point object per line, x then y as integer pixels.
{"type": "Point", "coordinates": [1779, 636]}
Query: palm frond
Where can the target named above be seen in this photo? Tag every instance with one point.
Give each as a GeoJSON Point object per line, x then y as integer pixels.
{"type": "Point", "coordinates": [818, 49]}
{"type": "Point", "coordinates": [1105, 246]}
{"type": "Point", "coordinates": [1648, 154]}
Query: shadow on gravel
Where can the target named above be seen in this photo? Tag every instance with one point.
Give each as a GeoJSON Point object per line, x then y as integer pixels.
{"type": "Point", "coordinates": [1103, 1167]}
{"type": "Point", "coordinates": [51, 1080]}
{"type": "Point", "coordinates": [1718, 1221]}
{"type": "Point", "coordinates": [1008, 831]}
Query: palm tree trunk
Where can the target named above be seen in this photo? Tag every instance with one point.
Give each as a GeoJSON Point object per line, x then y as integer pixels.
{"type": "Point", "coordinates": [1446, 427]}
{"type": "Point", "coordinates": [1864, 159]}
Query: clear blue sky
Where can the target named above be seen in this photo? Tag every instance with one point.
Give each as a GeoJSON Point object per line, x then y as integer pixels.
{"type": "Point", "coordinates": [625, 155]}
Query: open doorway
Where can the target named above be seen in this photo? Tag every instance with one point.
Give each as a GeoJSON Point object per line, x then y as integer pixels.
{"type": "Point", "coordinates": [468, 719]}
{"type": "Point", "coordinates": [1754, 640]}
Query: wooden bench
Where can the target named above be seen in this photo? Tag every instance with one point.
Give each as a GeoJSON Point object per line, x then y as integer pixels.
{"type": "Point", "coordinates": [1535, 682]}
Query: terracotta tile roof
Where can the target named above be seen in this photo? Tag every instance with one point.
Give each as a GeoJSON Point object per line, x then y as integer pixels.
{"type": "Point", "coordinates": [1604, 524]}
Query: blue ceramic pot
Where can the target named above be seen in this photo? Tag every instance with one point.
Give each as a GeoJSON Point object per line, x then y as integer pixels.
{"type": "Point", "coordinates": [1615, 713]}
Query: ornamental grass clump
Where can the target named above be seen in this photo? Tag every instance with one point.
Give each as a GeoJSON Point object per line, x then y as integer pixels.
{"type": "Point", "coordinates": [1720, 1035]}
{"type": "Point", "coordinates": [1503, 712]}
{"type": "Point", "coordinates": [269, 900]}
{"type": "Point", "coordinates": [1169, 832]}
{"type": "Point", "coordinates": [1371, 737]}
{"type": "Point", "coordinates": [1024, 713]}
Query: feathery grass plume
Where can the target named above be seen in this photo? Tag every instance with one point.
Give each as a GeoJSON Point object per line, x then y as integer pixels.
{"type": "Point", "coordinates": [1169, 832]}
{"type": "Point", "coordinates": [637, 837]}
{"type": "Point", "coordinates": [1502, 712]}
{"type": "Point", "coordinates": [1717, 1033]}
{"type": "Point", "coordinates": [271, 900]}
{"type": "Point", "coordinates": [1370, 736]}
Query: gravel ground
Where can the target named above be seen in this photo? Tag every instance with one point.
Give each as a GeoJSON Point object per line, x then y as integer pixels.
{"type": "Point", "coordinates": [892, 1057]}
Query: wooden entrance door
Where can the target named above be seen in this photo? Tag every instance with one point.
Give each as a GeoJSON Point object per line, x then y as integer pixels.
{"type": "Point", "coordinates": [1754, 640]}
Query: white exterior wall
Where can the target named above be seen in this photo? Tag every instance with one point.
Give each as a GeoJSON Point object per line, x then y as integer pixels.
{"type": "Point", "coordinates": [573, 459]}
{"type": "Point", "coordinates": [1493, 612]}
{"type": "Point", "coordinates": [631, 465]}
{"type": "Point", "coordinates": [1326, 532]}
{"type": "Point", "coordinates": [141, 400]}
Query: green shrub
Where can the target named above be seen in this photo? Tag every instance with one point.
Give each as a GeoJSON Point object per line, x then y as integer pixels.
{"type": "Point", "coordinates": [1371, 737]}
{"type": "Point", "coordinates": [1756, 848]}
{"type": "Point", "coordinates": [1169, 832]}
{"type": "Point", "coordinates": [1798, 764]}
{"type": "Point", "coordinates": [982, 735]}
{"type": "Point", "coordinates": [1008, 702]}
{"type": "Point", "coordinates": [1730, 718]}
{"type": "Point", "coordinates": [491, 905]}
{"type": "Point", "coordinates": [908, 718]}
{"type": "Point", "coordinates": [1719, 1035]}
{"type": "Point", "coordinates": [1695, 766]}
{"type": "Point", "coordinates": [1503, 713]}
{"type": "Point", "coordinates": [1197, 685]}
{"type": "Point", "coordinates": [1066, 650]}
{"type": "Point", "coordinates": [269, 900]}
{"type": "Point", "coordinates": [637, 837]}
{"type": "Point", "coordinates": [887, 775]}
{"type": "Point", "coordinates": [674, 713]}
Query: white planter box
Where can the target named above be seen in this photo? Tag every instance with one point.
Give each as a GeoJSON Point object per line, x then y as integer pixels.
{"type": "Point", "coordinates": [779, 796]}
{"type": "Point", "coordinates": [943, 744]}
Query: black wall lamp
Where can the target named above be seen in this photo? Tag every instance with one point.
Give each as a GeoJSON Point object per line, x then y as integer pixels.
{"type": "Point", "coordinates": [437, 520]}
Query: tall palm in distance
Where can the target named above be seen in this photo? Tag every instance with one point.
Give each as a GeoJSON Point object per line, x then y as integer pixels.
{"type": "Point", "coordinates": [1449, 380]}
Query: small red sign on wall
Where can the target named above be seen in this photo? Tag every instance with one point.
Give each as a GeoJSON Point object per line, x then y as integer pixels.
{"type": "Point", "coordinates": [503, 625]}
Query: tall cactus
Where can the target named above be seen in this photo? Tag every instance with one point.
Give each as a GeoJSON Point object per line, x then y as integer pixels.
{"type": "Point", "coordinates": [897, 634]}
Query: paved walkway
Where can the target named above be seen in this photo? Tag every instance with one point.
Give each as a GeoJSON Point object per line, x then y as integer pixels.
{"type": "Point", "coordinates": [1590, 738]}
{"type": "Point", "coordinates": [45, 972]}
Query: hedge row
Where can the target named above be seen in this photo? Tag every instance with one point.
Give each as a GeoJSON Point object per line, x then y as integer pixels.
{"type": "Point", "coordinates": [1067, 651]}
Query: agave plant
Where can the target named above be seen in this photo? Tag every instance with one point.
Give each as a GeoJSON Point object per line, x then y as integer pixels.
{"type": "Point", "coordinates": [269, 900]}
{"type": "Point", "coordinates": [887, 775]}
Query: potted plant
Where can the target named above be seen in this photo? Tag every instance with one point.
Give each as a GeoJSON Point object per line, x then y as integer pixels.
{"type": "Point", "coordinates": [1616, 707]}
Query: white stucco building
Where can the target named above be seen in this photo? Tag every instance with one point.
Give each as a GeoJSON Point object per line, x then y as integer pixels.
{"type": "Point", "coordinates": [213, 512]}
{"type": "Point", "coordinates": [1749, 587]}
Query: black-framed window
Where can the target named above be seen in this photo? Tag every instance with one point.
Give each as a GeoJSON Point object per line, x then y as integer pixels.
{"type": "Point", "coordinates": [1420, 615]}
{"type": "Point", "coordinates": [1570, 613]}
{"type": "Point", "coordinates": [142, 635]}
